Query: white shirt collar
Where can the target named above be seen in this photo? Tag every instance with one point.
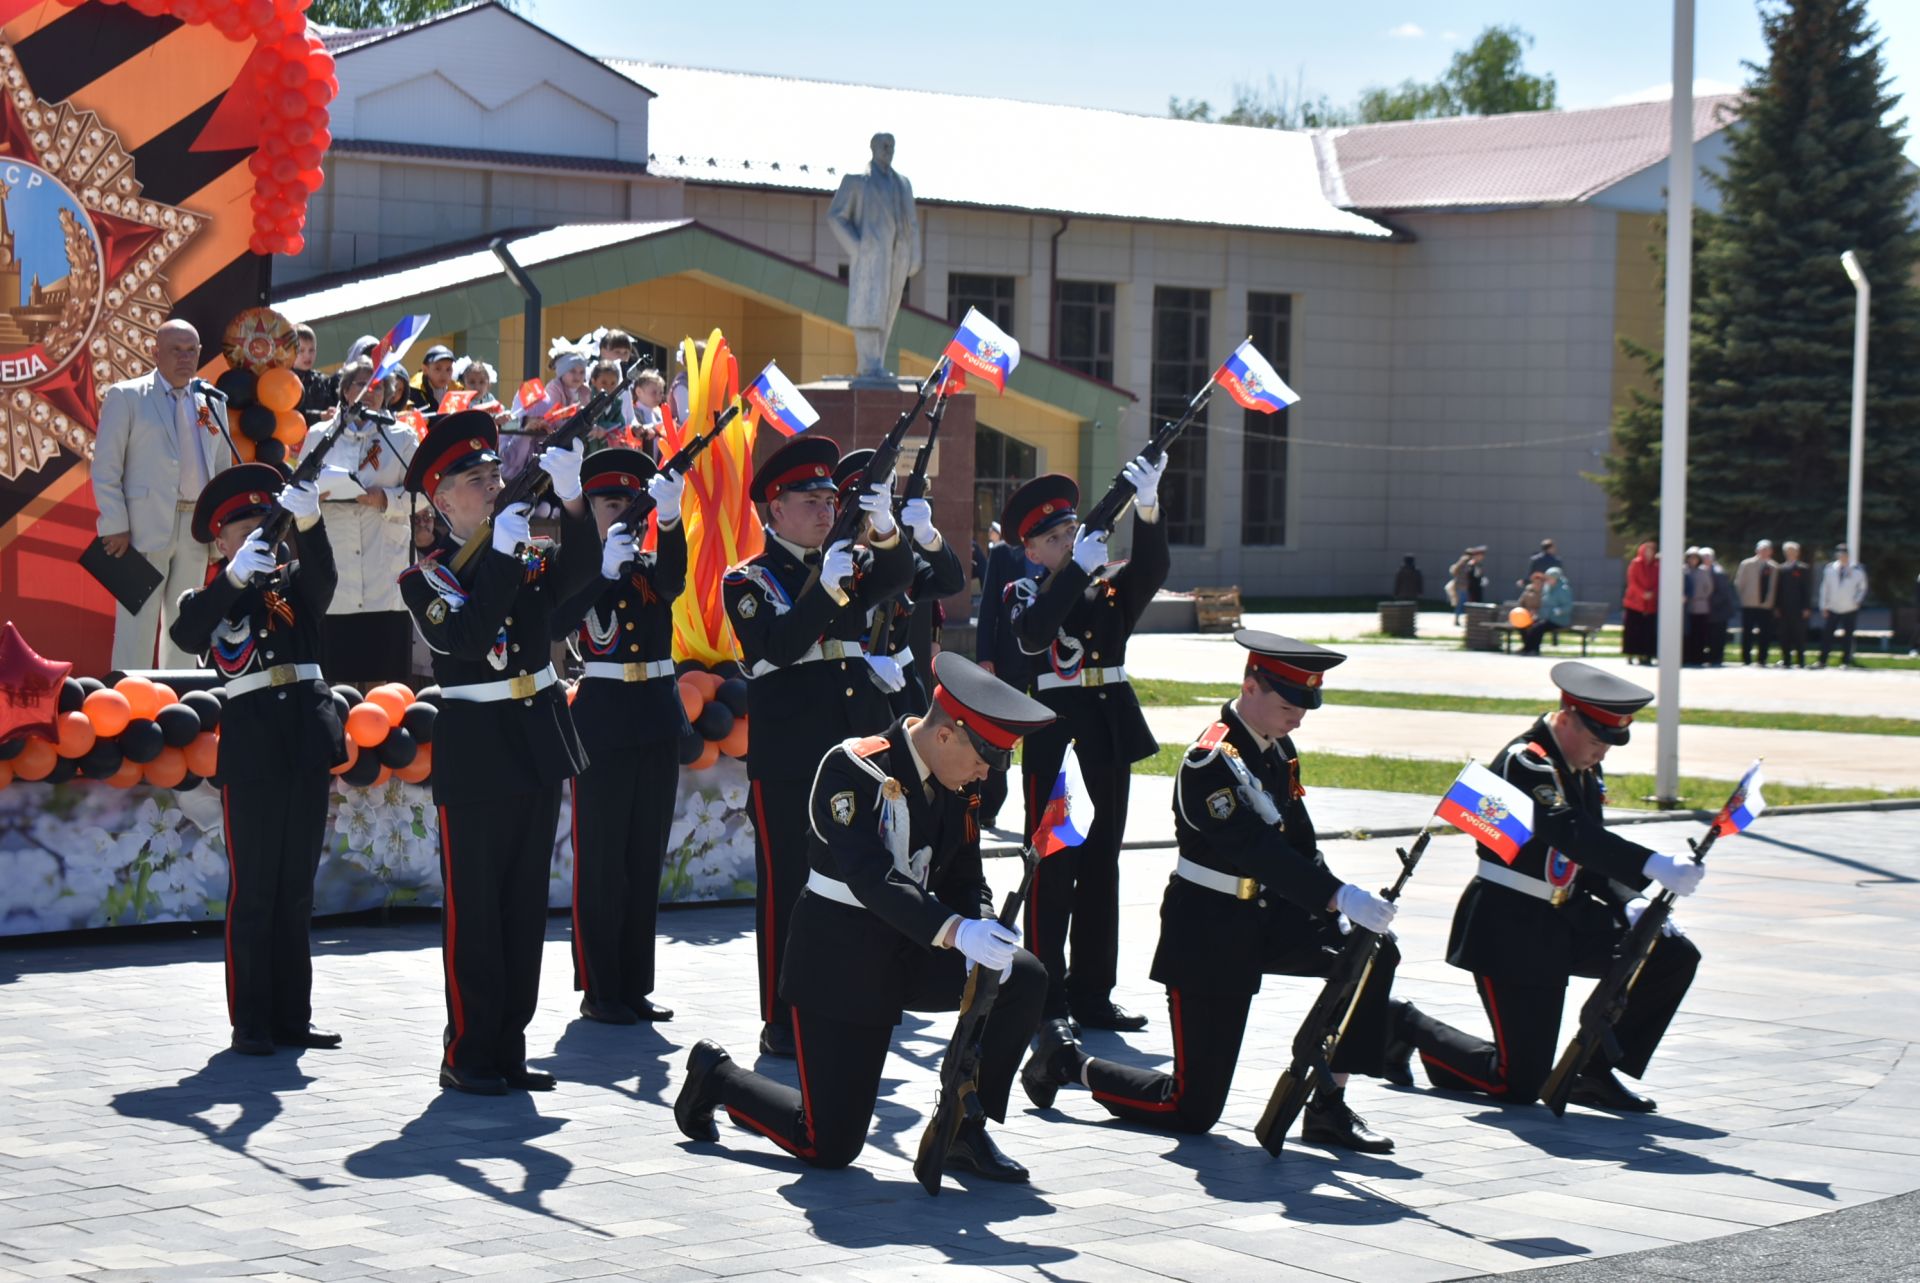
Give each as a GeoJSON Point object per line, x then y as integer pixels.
{"type": "Point", "coordinates": [800, 554]}
{"type": "Point", "coordinates": [1258, 738]}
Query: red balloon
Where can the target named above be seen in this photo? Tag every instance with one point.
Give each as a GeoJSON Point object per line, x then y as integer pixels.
{"type": "Point", "coordinates": [260, 162]}
{"type": "Point", "coordinates": [294, 74]}
{"type": "Point", "coordinates": [190, 11]}
{"type": "Point", "coordinates": [307, 157]}
{"type": "Point", "coordinates": [300, 132]}
{"type": "Point", "coordinates": [285, 170]}
{"type": "Point", "coordinates": [259, 14]}
{"type": "Point", "coordinates": [258, 245]}
{"type": "Point", "coordinates": [320, 90]}
{"type": "Point", "coordinates": [293, 245]}
{"type": "Point", "coordinates": [311, 179]}
{"type": "Point", "coordinates": [32, 686]}
{"type": "Point", "coordinates": [275, 145]}
{"type": "Point", "coordinates": [291, 103]}
{"type": "Point", "coordinates": [322, 136]}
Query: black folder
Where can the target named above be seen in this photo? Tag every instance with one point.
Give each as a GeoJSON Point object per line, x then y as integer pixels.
{"type": "Point", "coordinates": [130, 577]}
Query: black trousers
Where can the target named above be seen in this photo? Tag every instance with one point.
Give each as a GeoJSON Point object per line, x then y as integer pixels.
{"type": "Point", "coordinates": [1756, 633]}
{"type": "Point", "coordinates": [1792, 631]}
{"type": "Point", "coordinates": [1525, 1019]}
{"type": "Point", "coordinates": [1696, 639]}
{"type": "Point", "coordinates": [274, 829]}
{"type": "Point", "coordinates": [825, 1122]}
{"type": "Point", "coordinates": [496, 855]}
{"type": "Point", "coordinates": [1207, 1029]}
{"type": "Point", "coordinates": [1839, 622]}
{"type": "Point", "coordinates": [780, 828]}
{"type": "Point", "coordinates": [622, 810]}
{"type": "Point", "coordinates": [1076, 893]}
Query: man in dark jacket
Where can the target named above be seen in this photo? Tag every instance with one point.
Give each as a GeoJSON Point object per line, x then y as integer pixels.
{"type": "Point", "coordinates": [1793, 600]}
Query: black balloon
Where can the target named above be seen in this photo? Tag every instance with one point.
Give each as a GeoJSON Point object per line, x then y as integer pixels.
{"type": "Point", "coordinates": [188, 781]}
{"type": "Point", "coordinates": [418, 721]}
{"type": "Point", "coordinates": [398, 749]}
{"type": "Point", "coordinates": [691, 747]}
{"type": "Point", "coordinates": [686, 666]}
{"type": "Point", "coordinates": [72, 695]}
{"type": "Point", "coordinates": [142, 741]}
{"type": "Point", "coordinates": [10, 749]}
{"type": "Point", "coordinates": [365, 769]}
{"type": "Point", "coordinates": [342, 705]}
{"type": "Point", "coordinates": [237, 383]}
{"type": "Point", "coordinates": [272, 450]}
{"type": "Point", "coordinates": [102, 760]}
{"type": "Point", "coordinates": [205, 706]}
{"type": "Point", "coordinates": [429, 696]}
{"type": "Point", "coordinates": [348, 693]}
{"type": "Point", "coordinates": [733, 693]}
{"type": "Point", "coordinates": [715, 720]}
{"type": "Point", "coordinates": [178, 725]}
{"type": "Point", "coordinates": [64, 769]}
{"type": "Point", "coordinates": [92, 684]}
{"type": "Point", "coordinates": [257, 422]}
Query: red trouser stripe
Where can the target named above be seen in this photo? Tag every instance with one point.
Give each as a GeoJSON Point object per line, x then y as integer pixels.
{"type": "Point", "coordinates": [233, 890]}
{"type": "Point", "coordinates": [806, 1103]}
{"type": "Point", "coordinates": [453, 980]}
{"type": "Point", "coordinates": [767, 942]}
{"type": "Point", "coordinates": [1172, 1102]}
{"type": "Point", "coordinates": [1498, 1088]}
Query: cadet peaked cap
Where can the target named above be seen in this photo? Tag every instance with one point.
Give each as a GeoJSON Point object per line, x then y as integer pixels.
{"type": "Point", "coordinates": [244, 490]}
{"type": "Point", "coordinates": [617, 470]}
{"type": "Point", "coordinates": [994, 714]}
{"type": "Point", "coordinates": [851, 465]}
{"type": "Point", "coordinates": [1604, 703]}
{"type": "Point", "coordinates": [454, 443]}
{"type": "Point", "coordinates": [1293, 670]}
{"type": "Point", "coordinates": [804, 463]}
{"type": "Point", "coordinates": [1040, 505]}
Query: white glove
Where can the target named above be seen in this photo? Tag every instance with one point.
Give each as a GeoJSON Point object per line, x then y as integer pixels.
{"type": "Point", "coordinates": [253, 558]}
{"type": "Point", "coordinates": [1145, 477]}
{"type": "Point", "coordinates": [302, 501]}
{"type": "Point", "coordinates": [1682, 877]}
{"type": "Point", "coordinates": [564, 467]}
{"type": "Point", "coordinates": [986, 943]}
{"type": "Point", "coordinates": [664, 488]}
{"type": "Point", "coordinates": [836, 567]}
{"type": "Point", "coordinates": [616, 552]}
{"type": "Point", "coordinates": [511, 529]}
{"type": "Point", "coordinates": [917, 514]}
{"type": "Point", "coordinates": [1364, 908]}
{"type": "Point", "coordinates": [1090, 549]}
{"type": "Point", "coordinates": [877, 503]}
{"type": "Point", "coordinates": [887, 669]}
{"type": "Point", "coordinates": [1633, 910]}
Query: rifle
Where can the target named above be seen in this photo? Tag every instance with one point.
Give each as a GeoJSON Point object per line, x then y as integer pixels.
{"type": "Point", "coordinates": [532, 483]}
{"type": "Point", "coordinates": [274, 528]}
{"type": "Point", "coordinates": [959, 1098]}
{"type": "Point", "coordinates": [682, 460]}
{"type": "Point", "coordinates": [1113, 505]}
{"type": "Point", "coordinates": [878, 639]}
{"type": "Point", "coordinates": [846, 522]}
{"type": "Point", "coordinates": [1608, 1001]}
{"type": "Point", "coordinates": [1326, 1023]}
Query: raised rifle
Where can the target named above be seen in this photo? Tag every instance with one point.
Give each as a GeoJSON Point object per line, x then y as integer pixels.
{"type": "Point", "coordinates": [1321, 1033]}
{"type": "Point", "coordinates": [878, 639]}
{"type": "Point", "coordinates": [1113, 505]}
{"type": "Point", "coordinates": [275, 527]}
{"type": "Point", "coordinates": [846, 522]}
{"type": "Point", "coordinates": [1608, 1001]}
{"type": "Point", "coordinates": [682, 460]}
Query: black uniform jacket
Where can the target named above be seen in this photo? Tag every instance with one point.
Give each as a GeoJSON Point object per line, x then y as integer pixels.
{"type": "Point", "coordinates": [1213, 941]}
{"type": "Point", "coordinates": [273, 730]}
{"type": "Point", "coordinates": [854, 963]}
{"type": "Point", "coordinates": [628, 620]}
{"type": "Point", "coordinates": [492, 622]}
{"type": "Point", "coordinates": [800, 710]}
{"type": "Point", "coordinates": [1075, 620]}
{"type": "Point", "coordinates": [1511, 936]}
{"type": "Point", "coordinates": [936, 574]}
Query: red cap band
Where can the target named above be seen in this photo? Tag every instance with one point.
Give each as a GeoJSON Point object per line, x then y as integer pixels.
{"type": "Point", "coordinates": [792, 476]}
{"type": "Point", "coordinates": [1603, 716]}
{"type": "Point", "coordinates": [456, 450]}
{"type": "Point", "coordinates": [613, 481]}
{"type": "Point", "coordinates": [1046, 511]}
{"type": "Point", "coordinates": [990, 731]}
{"type": "Point", "coordinates": [1285, 672]}
{"type": "Point", "coordinates": [242, 502]}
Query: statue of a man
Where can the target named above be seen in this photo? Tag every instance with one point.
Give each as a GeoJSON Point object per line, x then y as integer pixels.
{"type": "Point", "coordinates": [872, 215]}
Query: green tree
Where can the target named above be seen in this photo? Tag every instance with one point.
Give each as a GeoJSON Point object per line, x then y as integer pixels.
{"type": "Point", "coordinates": [1486, 79]}
{"type": "Point", "coordinates": [379, 13]}
{"type": "Point", "coordinates": [1273, 106]}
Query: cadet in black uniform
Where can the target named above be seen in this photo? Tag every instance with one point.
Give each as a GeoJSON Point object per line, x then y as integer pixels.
{"type": "Point", "coordinates": [803, 638]}
{"type": "Point", "coordinates": [279, 737]}
{"type": "Point", "coordinates": [1251, 894]}
{"type": "Point", "coordinates": [503, 742]}
{"type": "Point", "coordinates": [630, 718]}
{"type": "Point", "coordinates": [1558, 910]}
{"type": "Point", "coordinates": [1075, 623]}
{"type": "Point", "coordinates": [895, 910]}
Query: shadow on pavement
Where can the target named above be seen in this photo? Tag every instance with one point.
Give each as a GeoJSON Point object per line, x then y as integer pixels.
{"type": "Point", "coordinates": [253, 1083]}
{"type": "Point", "coordinates": [609, 1056]}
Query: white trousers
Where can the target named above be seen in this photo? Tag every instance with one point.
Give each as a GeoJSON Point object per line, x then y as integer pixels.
{"type": "Point", "coordinates": [184, 563]}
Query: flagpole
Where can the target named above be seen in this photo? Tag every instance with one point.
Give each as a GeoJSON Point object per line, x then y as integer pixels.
{"type": "Point", "coordinates": [1673, 409]}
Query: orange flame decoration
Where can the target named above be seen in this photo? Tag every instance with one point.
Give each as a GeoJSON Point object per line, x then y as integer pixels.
{"type": "Point", "coordinates": [722, 528]}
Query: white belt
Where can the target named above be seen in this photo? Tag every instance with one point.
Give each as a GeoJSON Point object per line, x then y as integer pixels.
{"type": "Point", "coordinates": [903, 656]}
{"type": "Point", "coordinates": [278, 675]}
{"type": "Point", "coordinates": [627, 672]}
{"type": "Point", "coordinates": [1214, 880]}
{"type": "Point", "coordinates": [526, 686]}
{"type": "Point", "coordinates": [832, 888]}
{"type": "Point", "coordinates": [828, 648]}
{"type": "Point", "coordinates": [1525, 883]}
{"type": "Point", "coordinates": [1085, 677]}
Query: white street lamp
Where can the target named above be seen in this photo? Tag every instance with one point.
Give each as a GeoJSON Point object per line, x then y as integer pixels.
{"type": "Point", "coordinates": [1673, 408]}
{"type": "Point", "coordinates": [1857, 448]}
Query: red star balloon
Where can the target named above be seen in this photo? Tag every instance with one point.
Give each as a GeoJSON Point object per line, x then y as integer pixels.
{"type": "Point", "coordinates": [29, 688]}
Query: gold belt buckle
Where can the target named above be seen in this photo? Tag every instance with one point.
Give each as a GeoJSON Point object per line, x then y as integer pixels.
{"type": "Point", "coordinates": [523, 686]}
{"type": "Point", "coordinates": [832, 649]}
{"type": "Point", "coordinates": [634, 672]}
{"type": "Point", "coordinates": [1247, 889]}
{"type": "Point", "coordinates": [282, 675]}
{"type": "Point", "coordinates": [1098, 677]}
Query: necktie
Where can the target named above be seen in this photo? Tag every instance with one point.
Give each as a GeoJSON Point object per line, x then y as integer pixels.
{"type": "Point", "coordinates": [812, 559]}
{"type": "Point", "coordinates": [186, 431]}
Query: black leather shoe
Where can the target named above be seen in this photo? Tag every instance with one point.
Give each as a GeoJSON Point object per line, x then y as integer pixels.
{"type": "Point", "coordinates": [648, 1009]}
{"type": "Point", "coordinates": [1327, 1121]}
{"type": "Point", "coordinates": [1046, 1070]}
{"type": "Point", "coordinates": [693, 1107]}
{"type": "Point", "coordinates": [776, 1040]}
{"type": "Point", "coordinates": [608, 1013]}
{"type": "Point", "coordinates": [524, 1079]}
{"type": "Point", "coordinates": [974, 1151]}
{"type": "Point", "coordinates": [1105, 1015]}
{"type": "Point", "coordinates": [1599, 1089]}
{"type": "Point", "coordinates": [308, 1037]}
{"type": "Point", "coordinates": [474, 1084]}
{"type": "Point", "coordinates": [248, 1043]}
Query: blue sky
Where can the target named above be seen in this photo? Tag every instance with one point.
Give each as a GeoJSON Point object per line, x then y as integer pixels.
{"type": "Point", "coordinates": [1129, 56]}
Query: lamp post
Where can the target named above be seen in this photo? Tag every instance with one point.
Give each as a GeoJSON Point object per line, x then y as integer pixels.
{"type": "Point", "coordinates": [1857, 446]}
{"type": "Point", "coordinates": [1673, 409]}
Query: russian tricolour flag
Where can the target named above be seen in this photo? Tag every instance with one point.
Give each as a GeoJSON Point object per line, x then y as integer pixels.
{"type": "Point", "coordinates": [1744, 807]}
{"type": "Point", "coordinates": [1067, 816]}
{"type": "Point", "coordinates": [1498, 815]}
{"type": "Point", "coordinates": [983, 349]}
{"type": "Point", "coordinates": [1253, 382]}
{"type": "Point", "coordinates": [388, 352]}
{"type": "Point", "coordinates": [776, 401]}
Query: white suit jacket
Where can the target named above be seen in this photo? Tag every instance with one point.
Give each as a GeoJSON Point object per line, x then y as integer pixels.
{"type": "Point", "coordinates": [136, 460]}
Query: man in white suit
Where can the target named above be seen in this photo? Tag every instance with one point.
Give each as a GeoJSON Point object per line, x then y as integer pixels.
{"type": "Point", "coordinates": [159, 444]}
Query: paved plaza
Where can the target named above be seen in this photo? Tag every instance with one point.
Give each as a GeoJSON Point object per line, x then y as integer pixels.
{"type": "Point", "coordinates": [135, 1148]}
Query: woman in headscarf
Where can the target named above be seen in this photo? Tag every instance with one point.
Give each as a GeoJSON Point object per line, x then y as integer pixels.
{"type": "Point", "coordinates": [1640, 605]}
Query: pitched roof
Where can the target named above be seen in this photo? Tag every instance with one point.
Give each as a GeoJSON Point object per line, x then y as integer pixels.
{"type": "Point", "coordinates": [1527, 158]}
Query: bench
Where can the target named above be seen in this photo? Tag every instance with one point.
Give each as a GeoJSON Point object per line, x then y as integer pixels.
{"type": "Point", "coordinates": [1589, 618]}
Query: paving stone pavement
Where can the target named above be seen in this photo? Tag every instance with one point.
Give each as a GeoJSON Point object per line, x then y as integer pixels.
{"type": "Point", "coordinates": [133, 1147]}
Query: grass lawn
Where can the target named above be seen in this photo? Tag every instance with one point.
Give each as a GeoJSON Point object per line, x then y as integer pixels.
{"type": "Point", "coordinates": [1161, 691]}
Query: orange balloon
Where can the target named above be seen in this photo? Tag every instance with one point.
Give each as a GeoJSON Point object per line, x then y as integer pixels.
{"type": "Point", "coordinates": [380, 780]}
{"type": "Point", "coordinates": [691, 699]}
{"type": "Point", "coordinates": [1520, 617]}
{"type": "Point", "coordinates": [353, 755]}
{"type": "Point", "coordinates": [368, 724]}
{"type": "Point", "coordinates": [143, 697]}
{"type": "Point", "coordinates": [734, 742]}
{"type": "Point", "coordinates": [290, 429]}
{"type": "Point", "coordinates": [705, 683]}
{"type": "Point", "coordinates": [392, 700]}
{"type": "Point", "coordinates": [203, 755]}
{"type": "Point", "coordinates": [129, 774]}
{"type": "Point", "coordinates": [109, 711]}
{"type": "Point", "coordinates": [6, 774]}
{"type": "Point", "coordinates": [76, 734]}
{"type": "Point", "coordinates": [36, 760]}
{"type": "Point", "coordinates": [278, 389]}
{"type": "Point", "coordinates": [168, 769]}
{"type": "Point", "coordinates": [243, 447]}
{"type": "Point", "coordinates": [417, 771]}
{"type": "Point", "coordinates": [709, 754]}
{"type": "Point", "coordinates": [167, 696]}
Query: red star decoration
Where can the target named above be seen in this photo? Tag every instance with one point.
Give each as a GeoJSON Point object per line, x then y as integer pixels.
{"type": "Point", "coordinates": [29, 689]}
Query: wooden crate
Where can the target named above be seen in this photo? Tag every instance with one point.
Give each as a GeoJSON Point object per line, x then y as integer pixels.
{"type": "Point", "coordinates": [1217, 610]}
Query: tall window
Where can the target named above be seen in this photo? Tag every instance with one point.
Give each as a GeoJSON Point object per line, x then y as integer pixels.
{"type": "Point", "coordinates": [1083, 327]}
{"type": "Point", "coordinates": [1001, 465]}
{"type": "Point", "coordinates": [993, 295]}
{"type": "Point", "coordinates": [1182, 364]}
{"type": "Point", "coordinates": [1263, 459]}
